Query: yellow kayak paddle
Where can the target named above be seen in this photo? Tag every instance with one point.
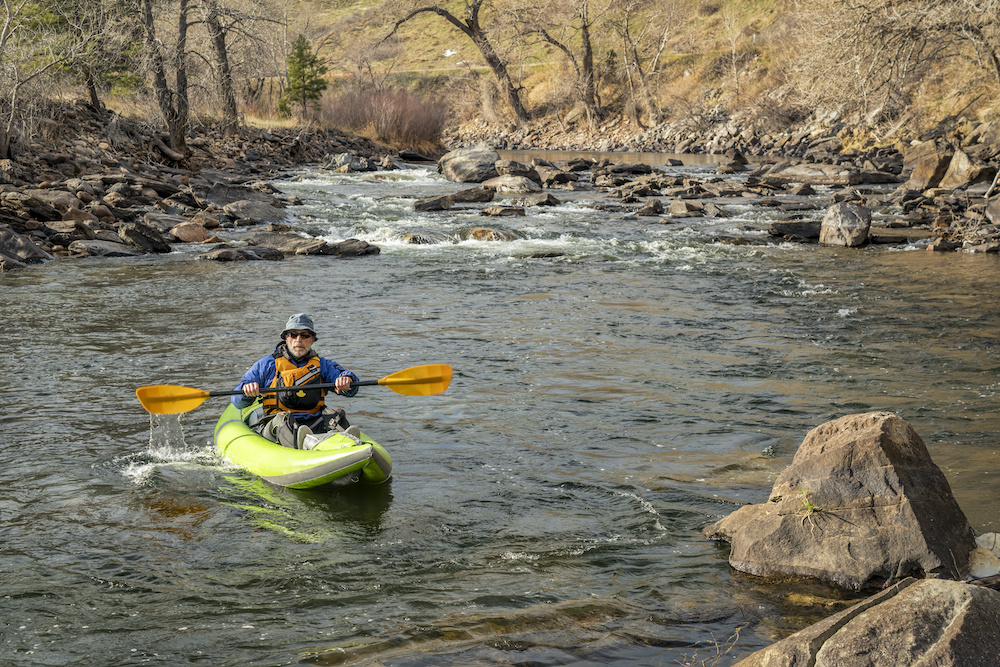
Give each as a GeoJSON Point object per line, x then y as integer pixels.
{"type": "Point", "coordinates": [171, 399]}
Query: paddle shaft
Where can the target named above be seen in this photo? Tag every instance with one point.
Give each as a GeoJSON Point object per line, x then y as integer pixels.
{"type": "Point", "coordinates": [274, 390]}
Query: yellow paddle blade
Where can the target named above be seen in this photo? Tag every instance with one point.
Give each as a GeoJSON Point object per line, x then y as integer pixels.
{"type": "Point", "coordinates": [419, 380]}
{"type": "Point", "coordinates": [170, 399]}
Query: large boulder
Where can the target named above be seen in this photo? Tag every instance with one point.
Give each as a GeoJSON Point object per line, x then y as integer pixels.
{"type": "Point", "coordinates": [255, 211]}
{"type": "Point", "coordinates": [20, 248]}
{"type": "Point", "coordinates": [509, 184]}
{"type": "Point", "coordinates": [928, 172]}
{"type": "Point", "coordinates": [845, 224]}
{"type": "Point", "coordinates": [813, 173]}
{"type": "Point", "coordinates": [227, 253]}
{"type": "Point", "coordinates": [145, 237]}
{"type": "Point", "coordinates": [469, 165]}
{"type": "Point", "coordinates": [99, 248]}
{"type": "Point", "coordinates": [963, 170]}
{"type": "Point", "coordinates": [290, 243]}
{"type": "Point", "coordinates": [930, 622]}
{"type": "Point", "coordinates": [861, 504]}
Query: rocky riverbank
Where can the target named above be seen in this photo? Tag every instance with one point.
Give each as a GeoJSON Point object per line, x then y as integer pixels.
{"type": "Point", "coordinates": [100, 184]}
{"type": "Point", "coordinates": [946, 179]}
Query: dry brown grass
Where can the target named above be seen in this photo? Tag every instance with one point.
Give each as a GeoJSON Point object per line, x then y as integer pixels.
{"type": "Point", "coordinates": [394, 117]}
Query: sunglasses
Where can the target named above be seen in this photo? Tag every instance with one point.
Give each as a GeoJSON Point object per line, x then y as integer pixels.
{"type": "Point", "coordinates": [299, 334]}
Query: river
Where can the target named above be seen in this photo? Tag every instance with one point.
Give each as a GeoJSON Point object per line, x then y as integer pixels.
{"type": "Point", "coordinates": [619, 384]}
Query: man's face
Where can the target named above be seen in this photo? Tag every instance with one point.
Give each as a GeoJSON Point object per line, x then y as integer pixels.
{"type": "Point", "coordinates": [299, 342]}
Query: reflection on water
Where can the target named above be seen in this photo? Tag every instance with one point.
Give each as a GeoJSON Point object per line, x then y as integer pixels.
{"type": "Point", "coordinates": [607, 404]}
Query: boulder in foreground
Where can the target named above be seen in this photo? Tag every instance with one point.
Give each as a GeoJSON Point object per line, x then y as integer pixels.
{"type": "Point", "coordinates": [930, 622]}
{"type": "Point", "coordinates": [861, 505]}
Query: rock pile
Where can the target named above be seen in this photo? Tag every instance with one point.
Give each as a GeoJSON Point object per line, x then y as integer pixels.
{"type": "Point", "coordinates": [947, 178]}
{"type": "Point", "coordinates": [102, 185]}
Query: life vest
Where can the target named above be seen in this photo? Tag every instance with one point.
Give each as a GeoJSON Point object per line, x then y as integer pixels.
{"type": "Point", "coordinates": [289, 375]}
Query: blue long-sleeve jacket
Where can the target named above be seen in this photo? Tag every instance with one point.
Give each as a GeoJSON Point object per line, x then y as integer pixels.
{"type": "Point", "coordinates": [264, 370]}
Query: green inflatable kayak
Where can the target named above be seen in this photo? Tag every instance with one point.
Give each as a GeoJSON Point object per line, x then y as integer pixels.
{"type": "Point", "coordinates": [336, 460]}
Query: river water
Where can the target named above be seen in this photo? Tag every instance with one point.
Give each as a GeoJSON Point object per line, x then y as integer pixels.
{"type": "Point", "coordinates": [619, 384]}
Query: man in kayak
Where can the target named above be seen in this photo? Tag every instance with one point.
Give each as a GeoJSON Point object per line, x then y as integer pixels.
{"type": "Point", "coordinates": [287, 417]}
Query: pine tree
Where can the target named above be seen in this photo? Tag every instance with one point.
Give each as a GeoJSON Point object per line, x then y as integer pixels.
{"type": "Point", "coordinates": [305, 78]}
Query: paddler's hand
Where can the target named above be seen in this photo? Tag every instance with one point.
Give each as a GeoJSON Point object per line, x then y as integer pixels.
{"type": "Point", "coordinates": [251, 389]}
{"type": "Point", "coordinates": [343, 384]}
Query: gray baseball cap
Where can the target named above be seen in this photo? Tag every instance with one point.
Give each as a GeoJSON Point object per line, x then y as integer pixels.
{"type": "Point", "coordinates": [298, 322]}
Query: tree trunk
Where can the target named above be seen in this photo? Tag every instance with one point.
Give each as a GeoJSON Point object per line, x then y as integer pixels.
{"type": "Point", "coordinates": [224, 73]}
{"type": "Point", "coordinates": [178, 131]}
{"type": "Point", "coordinates": [474, 31]}
{"type": "Point", "coordinates": [587, 83]}
{"type": "Point", "coordinates": [95, 98]}
{"type": "Point", "coordinates": [503, 77]}
{"type": "Point", "coordinates": [176, 116]}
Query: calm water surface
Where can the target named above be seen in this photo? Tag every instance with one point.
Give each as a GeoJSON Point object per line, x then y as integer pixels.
{"type": "Point", "coordinates": [609, 401]}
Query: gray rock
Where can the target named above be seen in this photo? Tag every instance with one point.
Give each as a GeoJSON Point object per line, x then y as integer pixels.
{"type": "Point", "coordinates": [553, 176]}
{"type": "Point", "coordinates": [438, 203]}
{"type": "Point", "coordinates": [163, 221]}
{"type": "Point", "coordinates": [502, 211]}
{"type": "Point", "coordinates": [97, 248]}
{"type": "Point", "coordinates": [512, 168]}
{"type": "Point", "coordinates": [289, 243]}
{"type": "Point", "coordinates": [21, 248]}
{"type": "Point", "coordinates": [444, 202]}
{"type": "Point", "coordinates": [861, 504]}
{"type": "Point", "coordinates": [678, 208]}
{"type": "Point", "coordinates": [226, 253]}
{"type": "Point", "coordinates": [814, 174]}
{"type": "Point", "coordinates": [930, 622]}
{"type": "Point", "coordinates": [9, 263]}
{"type": "Point", "coordinates": [538, 199]}
{"type": "Point", "coordinates": [478, 195]}
{"type": "Point", "coordinates": [293, 244]}
{"type": "Point", "coordinates": [57, 199]}
{"type": "Point", "coordinates": [651, 207]}
{"type": "Point", "coordinates": [347, 162]}
{"type": "Point", "coordinates": [145, 237]}
{"type": "Point", "coordinates": [353, 248]}
{"type": "Point", "coordinates": [221, 193]}
{"type": "Point", "coordinates": [256, 211]}
{"type": "Point", "coordinates": [516, 185]}
{"type": "Point", "coordinates": [469, 165]}
{"type": "Point", "coordinates": [845, 224]}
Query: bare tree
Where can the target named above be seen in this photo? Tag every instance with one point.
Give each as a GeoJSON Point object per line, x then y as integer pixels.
{"type": "Point", "coordinates": [233, 26]}
{"type": "Point", "coordinates": [212, 15]}
{"type": "Point", "coordinates": [644, 28]}
{"type": "Point", "coordinates": [471, 26]}
{"type": "Point", "coordinates": [868, 55]}
{"type": "Point", "coordinates": [173, 102]}
{"type": "Point", "coordinates": [568, 25]}
{"type": "Point", "coordinates": [29, 49]}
